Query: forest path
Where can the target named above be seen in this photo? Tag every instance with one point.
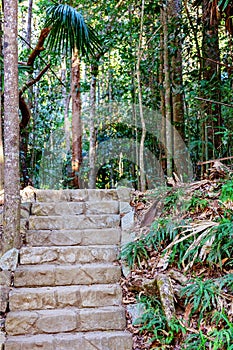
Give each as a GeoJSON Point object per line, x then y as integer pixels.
{"type": "Point", "coordinates": [66, 292]}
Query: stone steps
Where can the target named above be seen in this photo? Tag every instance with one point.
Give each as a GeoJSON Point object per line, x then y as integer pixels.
{"type": "Point", "coordinates": [74, 222]}
{"type": "Point", "coordinates": [68, 255]}
{"type": "Point", "coordinates": [65, 320]}
{"type": "Point", "coordinates": [83, 237]}
{"type": "Point", "coordinates": [66, 292]}
{"type": "Point", "coordinates": [66, 296]}
{"type": "Point", "coordinates": [75, 208]}
{"type": "Point", "coordinates": [66, 275]}
{"type": "Point", "coordinates": [109, 340]}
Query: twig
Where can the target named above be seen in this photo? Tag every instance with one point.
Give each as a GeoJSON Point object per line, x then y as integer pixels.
{"type": "Point", "coordinates": [217, 62]}
{"type": "Point", "coordinates": [212, 101]}
{"type": "Point", "coordinates": [43, 60]}
{"type": "Point", "coordinates": [214, 160]}
{"type": "Point", "coordinates": [33, 81]}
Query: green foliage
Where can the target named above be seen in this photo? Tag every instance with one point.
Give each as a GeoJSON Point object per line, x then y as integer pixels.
{"type": "Point", "coordinates": [227, 191]}
{"type": "Point", "coordinates": [195, 204]}
{"type": "Point", "coordinates": [220, 336]}
{"type": "Point", "coordinates": [161, 232]}
{"type": "Point", "coordinates": [154, 321]}
{"type": "Point", "coordinates": [134, 252]}
{"type": "Point", "coordinates": [222, 246]}
{"type": "Point", "coordinates": [202, 294]}
{"type": "Point", "coordinates": [69, 31]}
{"type": "Point", "coordinates": [171, 199]}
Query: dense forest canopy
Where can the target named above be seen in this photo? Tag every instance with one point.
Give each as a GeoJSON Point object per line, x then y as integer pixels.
{"type": "Point", "coordinates": [147, 92]}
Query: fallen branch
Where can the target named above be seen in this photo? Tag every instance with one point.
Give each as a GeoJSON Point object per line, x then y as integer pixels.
{"type": "Point", "coordinates": [214, 160]}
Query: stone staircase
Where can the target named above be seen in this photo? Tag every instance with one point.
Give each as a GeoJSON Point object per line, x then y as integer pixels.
{"type": "Point", "coordinates": [66, 293]}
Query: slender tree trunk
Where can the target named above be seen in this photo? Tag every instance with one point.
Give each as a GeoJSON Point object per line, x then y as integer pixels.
{"type": "Point", "coordinates": [211, 74]}
{"type": "Point", "coordinates": [76, 119]}
{"type": "Point", "coordinates": [11, 222]}
{"type": "Point", "coordinates": [66, 104]}
{"type": "Point", "coordinates": [174, 7]}
{"type": "Point", "coordinates": [167, 88]}
{"type": "Point", "coordinates": [1, 135]}
{"type": "Point", "coordinates": [29, 23]}
{"type": "Point", "coordinates": [162, 97]}
{"type": "Point", "coordinates": [92, 147]}
{"type": "Point", "coordinates": [143, 124]}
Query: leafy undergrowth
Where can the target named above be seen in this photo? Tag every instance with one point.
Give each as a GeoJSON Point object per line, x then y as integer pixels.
{"type": "Point", "coordinates": [189, 245]}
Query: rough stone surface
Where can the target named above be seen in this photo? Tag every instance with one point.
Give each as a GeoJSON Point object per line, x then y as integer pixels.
{"type": "Point", "coordinates": [69, 238]}
{"type": "Point", "coordinates": [67, 255]}
{"type": "Point", "coordinates": [65, 320]}
{"type": "Point", "coordinates": [127, 221]}
{"type": "Point", "coordinates": [56, 275]}
{"type": "Point", "coordinates": [72, 222]}
{"type": "Point", "coordinates": [80, 341]}
{"type": "Point", "coordinates": [66, 296]}
{"type": "Point", "coordinates": [9, 260]}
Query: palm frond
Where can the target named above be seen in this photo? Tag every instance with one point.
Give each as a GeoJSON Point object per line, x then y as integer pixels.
{"type": "Point", "coordinates": [69, 31]}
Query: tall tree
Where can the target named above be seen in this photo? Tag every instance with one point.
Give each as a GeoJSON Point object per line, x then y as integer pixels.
{"type": "Point", "coordinates": [11, 222]}
{"type": "Point", "coordinates": [69, 32]}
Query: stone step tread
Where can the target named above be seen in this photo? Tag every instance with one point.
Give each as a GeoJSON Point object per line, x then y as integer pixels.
{"type": "Point", "coordinates": [77, 195]}
{"type": "Point", "coordinates": [73, 237]}
{"type": "Point", "coordinates": [60, 275]}
{"type": "Point", "coordinates": [65, 320]}
{"type": "Point", "coordinates": [80, 296]}
{"type": "Point", "coordinates": [68, 255]}
{"type": "Point", "coordinates": [117, 340]}
{"type": "Point", "coordinates": [74, 222]}
{"type": "Point", "coordinates": [75, 208]}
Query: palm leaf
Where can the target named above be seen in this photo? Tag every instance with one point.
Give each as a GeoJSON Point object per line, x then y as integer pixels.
{"type": "Point", "coordinates": [69, 31]}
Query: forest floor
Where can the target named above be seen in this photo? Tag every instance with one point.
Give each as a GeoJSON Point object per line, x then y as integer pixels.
{"type": "Point", "coordinates": [179, 287]}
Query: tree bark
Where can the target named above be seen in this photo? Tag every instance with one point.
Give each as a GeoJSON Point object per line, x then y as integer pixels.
{"type": "Point", "coordinates": [174, 7]}
{"type": "Point", "coordinates": [167, 88]}
{"type": "Point", "coordinates": [143, 124]}
{"type": "Point", "coordinates": [92, 149]}
{"type": "Point", "coordinates": [76, 119]}
{"type": "Point", "coordinates": [29, 23]}
{"type": "Point", "coordinates": [1, 135]}
{"type": "Point", "coordinates": [211, 74]}
{"type": "Point", "coordinates": [11, 222]}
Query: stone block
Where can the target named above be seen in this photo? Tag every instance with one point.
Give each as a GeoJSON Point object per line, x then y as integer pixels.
{"type": "Point", "coordinates": [107, 318]}
{"type": "Point", "coordinates": [53, 275]}
{"type": "Point", "coordinates": [117, 340]}
{"type": "Point", "coordinates": [124, 194]}
{"type": "Point", "coordinates": [101, 207]}
{"type": "Point", "coordinates": [59, 208]}
{"type": "Point", "coordinates": [72, 222]}
{"type": "Point", "coordinates": [127, 221]}
{"type": "Point", "coordinates": [71, 238]}
{"type": "Point", "coordinates": [4, 298]}
{"type": "Point", "coordinates": [68, 255]}
{"type": "Point", "coordinates": [125, 207]}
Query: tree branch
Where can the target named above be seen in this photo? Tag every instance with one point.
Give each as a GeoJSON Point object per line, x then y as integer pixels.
{"type": "Point", "coordinates": [216, 102]}
{"type": "Point", "coordinates": [39, 46]}
{"type": "Point", "coordinates": [33, 81]}
{"type": "Point", "coordinates": [214, 160]}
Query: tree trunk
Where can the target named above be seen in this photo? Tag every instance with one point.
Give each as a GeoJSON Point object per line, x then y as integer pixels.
{"type": "Point", "coordinates": [76, 120]}
{"type": "Point", "coordinates": [143, 124]}
{"type": "Point", "coordinates": [174, 7]}
{"type": "Point", "coordinates": [211, 75]}
{"type": "Point", "coordinates": [1, 135]}
{"type": "Point", "coordinates": [167, 88]}
{"type": "Point", "coordinates": [92, 149]}
{"type": "Point", "coordinates": [29, 23]}
{"type": "Point", "coordinates": [11, 222]}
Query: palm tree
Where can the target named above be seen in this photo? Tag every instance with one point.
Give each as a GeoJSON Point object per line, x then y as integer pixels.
{"type": "Point", "coordinates": [69, 33]}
